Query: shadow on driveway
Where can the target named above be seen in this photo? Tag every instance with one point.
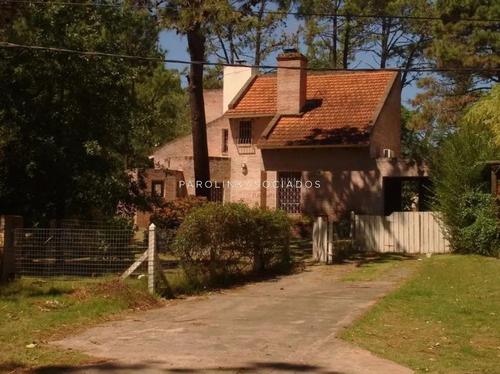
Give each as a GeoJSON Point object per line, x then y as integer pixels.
{"type": "Point", "coordinates": [113, 368]}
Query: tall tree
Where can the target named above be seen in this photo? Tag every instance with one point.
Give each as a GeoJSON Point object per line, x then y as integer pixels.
{"type": "Point", "coordinates": [256, 34]}
{"type": "Point", "coordinates": [194, 18]}
{"type": "Point", "coordinates": [332, 39]}
{"type": "Point", "coordinates": [163, 110]}
{"type": "Point", "coordinates": [71, 124]}
{"type": "Point", "coordinates": [396, 42]}
{"type": "Point", "coordinates": [459, 44]}
{"type": "Point", "coordinates": [463, 196]}
{"type": "Point", "coordinates": [342, 31]}
{"type": "Point", "coordinates": [253, 35]}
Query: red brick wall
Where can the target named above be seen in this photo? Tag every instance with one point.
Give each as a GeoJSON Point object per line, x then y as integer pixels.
{"type": "Point", "coordinates": [170, 187]}
{"type": "Point", "coordinates": [349, 178]}
{"type": "Point", "coordinates": [387, 130]}
{"type": "Point", "coordinates": [291, 83]}
{"type": "Point", "coordinates": [213, 104]}
{"type": "Point", "coordinates": [250, 191]}
{"type": "Point", "coordinates": [176, 150]}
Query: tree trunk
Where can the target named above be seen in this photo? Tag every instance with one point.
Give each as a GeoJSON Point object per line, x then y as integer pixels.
{"type": "Point", "coordinates": [386, 29]}
{"type": "Point", "coordinates": [258, 36]}
{"type": "Point", "coordinates": [196, 43]}
{"type": "Point", "coordinates": [333, 47]}
{"type": "Point", "coordinates": [347, 46]}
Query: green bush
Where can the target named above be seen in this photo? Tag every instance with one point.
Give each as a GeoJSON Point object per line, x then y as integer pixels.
{"type": "Point", "coordinates": [468, 211]}
{"type": "Point", "coordinates": [271, 231]}
{"type": "Point", "coordinates": [479, 230]}
{"type": "Point", "coordinates": [173, 213]}
{"type": "Point", "coordinates": [218, 243]}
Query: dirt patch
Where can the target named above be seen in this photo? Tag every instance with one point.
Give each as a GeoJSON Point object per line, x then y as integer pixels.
{"type": "Point", "coordinates": [137, 299]}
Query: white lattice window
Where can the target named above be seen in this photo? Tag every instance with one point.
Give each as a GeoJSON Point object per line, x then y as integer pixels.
{"type": "Point", "coordinates": [289, 191]}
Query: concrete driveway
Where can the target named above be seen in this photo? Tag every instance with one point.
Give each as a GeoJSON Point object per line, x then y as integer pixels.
{"type": "Point", "coordinates": [289, 325]}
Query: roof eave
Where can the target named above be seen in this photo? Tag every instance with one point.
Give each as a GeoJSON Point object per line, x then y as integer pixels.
{"type": "Point", "coordinates": [271, 146]}
{"type": "Point", "coordinates": [249, 115]}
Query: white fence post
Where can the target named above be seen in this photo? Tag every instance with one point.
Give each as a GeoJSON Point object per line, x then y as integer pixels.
{"type": "Point", "coordinates": [151, 258]}
{"type": "Point", "coordinates": [320, 239]}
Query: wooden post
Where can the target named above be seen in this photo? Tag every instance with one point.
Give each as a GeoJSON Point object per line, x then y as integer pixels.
{"type": "Point", "coordinates": [329, 247]}
{"type": "Point", "coordinates": [352, 229]}
{"type": "Point", "coordinates": [151, 258]}
{"type": "Point", "coordinates": [8, 224]}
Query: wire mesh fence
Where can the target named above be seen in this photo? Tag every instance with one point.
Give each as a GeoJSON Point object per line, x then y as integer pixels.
{"type": "Point", "coordinates": [96, 225]}
{"type": "Point", "coordinates": [75, 251]}
{"type": "Point", "coordinates": [164, 247]}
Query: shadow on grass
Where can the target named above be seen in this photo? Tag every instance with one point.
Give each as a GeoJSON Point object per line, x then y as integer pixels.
{"type": "Point", "coordinates": [301, 249]}
{"type": "Point", "coordinates": [31, 288]}
{"type": "Point", "coordinates": [364, 258]}
{"type": "Point", "coordinates": [181, 284]}
{"type": "Point", "coordinates": [156, 368]}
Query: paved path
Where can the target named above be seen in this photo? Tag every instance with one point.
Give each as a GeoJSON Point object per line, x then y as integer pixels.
{"type": "Point", "coordinates": [285, 326]}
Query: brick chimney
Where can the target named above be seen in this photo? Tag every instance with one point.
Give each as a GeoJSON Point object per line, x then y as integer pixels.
{"type": "Point", "coordinates": [292, 83]}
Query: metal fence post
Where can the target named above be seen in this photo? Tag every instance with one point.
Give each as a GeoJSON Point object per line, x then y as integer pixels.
{"type": "Point", "coordinates": [151, 258]}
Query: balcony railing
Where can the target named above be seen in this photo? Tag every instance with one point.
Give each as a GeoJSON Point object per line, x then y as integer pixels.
{"type": "Point", "coordinates": [245, 146]}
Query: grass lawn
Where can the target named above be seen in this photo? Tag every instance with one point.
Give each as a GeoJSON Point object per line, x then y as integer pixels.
{"type": "Point", "coordinates": [445, 319]}
{"type": "Point", "coordinates": [372, 266]}
{"type": "Point", "coordinates": [34, 311]}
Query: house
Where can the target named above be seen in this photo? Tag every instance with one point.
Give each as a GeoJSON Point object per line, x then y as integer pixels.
{"type": "Point", "coordinates": [307, 143]}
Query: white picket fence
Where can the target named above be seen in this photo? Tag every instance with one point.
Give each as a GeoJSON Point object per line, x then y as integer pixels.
{"type": "Point", "coordinates": [410, 232]}
{"type": "Point", "coordinates": [322, 240]}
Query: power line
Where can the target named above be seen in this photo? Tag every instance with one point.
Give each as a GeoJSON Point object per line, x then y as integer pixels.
{"type": "Point", "coordinates": [275, 12]}
{"type": "Point", "coordinates": [405, 17]}
{"type": "Point", "coordinates": [184, 62]}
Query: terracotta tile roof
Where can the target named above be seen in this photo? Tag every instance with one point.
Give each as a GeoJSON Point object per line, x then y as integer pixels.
{"type": "Point", "coordinates": [340, 109]}
{"type": "Point", "coordinates": [260, 98]}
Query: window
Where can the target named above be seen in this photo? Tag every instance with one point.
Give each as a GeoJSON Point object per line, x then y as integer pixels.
{"type": "Point", "coordinates": [216, 192]}
{"type": "Point", "coordinates": [157, 189]}
{"type": "Point", "coordinates": [225, 140]}
{"type": "Point", "coordinates": [289, 191]}
{"type": "Point", "coordinates": [245, 132]}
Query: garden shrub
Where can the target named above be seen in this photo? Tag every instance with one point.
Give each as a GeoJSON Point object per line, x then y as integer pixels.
{"type": "Point", "coordinates": [271, 231]}
{"type": "Point", "coordinates": [477, 225]}
{"type": "Point", "coordinates": [218, 243]}
{"type": "Point", "coordinates": [462, 194]}
{"type": "Point", "coordinates": [173, 213]}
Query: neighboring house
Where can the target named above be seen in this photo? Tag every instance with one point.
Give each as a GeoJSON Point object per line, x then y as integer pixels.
{"type": "Point", "coordinates": [314, 144]}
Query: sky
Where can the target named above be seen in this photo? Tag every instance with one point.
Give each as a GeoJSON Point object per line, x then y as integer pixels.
{"type": "Point", "coordinates": [176, 46]}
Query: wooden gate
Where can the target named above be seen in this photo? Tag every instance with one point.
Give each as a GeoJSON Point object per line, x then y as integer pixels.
{"type": "Point", "coordinates": [411, 232]}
